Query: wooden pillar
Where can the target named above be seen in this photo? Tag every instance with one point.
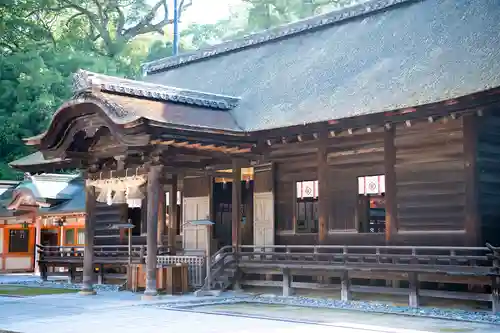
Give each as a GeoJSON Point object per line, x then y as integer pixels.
{"type": "Point", "coordinates": [38, 240]}
{"type": "Point", "coordinates": [173, 215]}
{"type": "Point", "coordinates": [323, 198]}
{"type": "Point", "coordinates": [153, 187]}
{"type": "Point", "coordinates": [472, 219]}
{"type": "Point", "coordinates": [391, 206]}
{"type": "Point", "coordinates": [236, 203]}
{"type": "Point", "coordinates": [162, 212]}
{"type": "Point", "coordinates": [89, 231]}
{"type": "Point", "coordinates": [323, 193]}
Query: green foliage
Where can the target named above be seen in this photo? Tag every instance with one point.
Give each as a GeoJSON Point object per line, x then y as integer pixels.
{"type": "Point", "coordinates": [34, 82]}
{"type": "Point", "coordinates": [42, 42]}
{"type": "Point", "coordinates": [265, 14]}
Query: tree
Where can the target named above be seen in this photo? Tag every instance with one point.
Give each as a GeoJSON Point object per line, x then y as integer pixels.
{"type": "Point", "coordinates": [111, 24]}
{"type": "Point", "coordinates": [258, 15]}
{"type": "Point", "coordinates": [265, 14]}
{"type": "Point", "coordinates": [33, 84]}
{"type": "Point", "coordinates": [18, 27]}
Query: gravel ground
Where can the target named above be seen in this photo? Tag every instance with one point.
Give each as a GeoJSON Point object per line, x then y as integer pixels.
{"type": "Point", "coordinates": [458, 315]}
{"type": "Point", "coordinates": [35, 281]}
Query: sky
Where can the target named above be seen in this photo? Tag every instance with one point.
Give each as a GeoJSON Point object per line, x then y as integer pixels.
{"type": "Point", "coordinates": [208, 11]}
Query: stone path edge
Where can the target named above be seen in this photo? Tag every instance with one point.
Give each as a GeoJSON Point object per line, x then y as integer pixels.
{"type": "Point", "coordinates": [448, 314]}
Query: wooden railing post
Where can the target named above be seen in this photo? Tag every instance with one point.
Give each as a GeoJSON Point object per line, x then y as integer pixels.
{"type": "Point", "coordinates": [142, 254]}
{"type": "Point", "coordinates": [495, 279]}
{"type": "Point", "coordinates": [413, 300]}
{"type": "Point", "coordinates": [345, 286]}
{"type": "Point", "coordinates": [287, 283]}
{"type": "Point", "coordinates": [495, 295]}
{"type": "Point", "coordinates": [100, 275]}
{"type": "Point", "coordinates": [72, 273]}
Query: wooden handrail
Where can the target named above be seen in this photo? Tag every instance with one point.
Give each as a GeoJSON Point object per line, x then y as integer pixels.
{"type": "Point", "coordinates": [417, 257]}
{"type": "Point", "coordinates": [100, 251]}
{"type": "Point", "coordinates": [366, 247]}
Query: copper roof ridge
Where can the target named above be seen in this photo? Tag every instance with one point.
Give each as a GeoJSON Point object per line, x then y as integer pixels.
{"type": "Point", "coordinates": [84, 81]}
{"type": "Point", "coordinates": [283, 31]}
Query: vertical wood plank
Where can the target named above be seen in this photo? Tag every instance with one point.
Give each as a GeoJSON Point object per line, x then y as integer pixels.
{"type": "Point", "coordinates": [153, 187]}
{"type": "Point", "coordinates": [236, 203]}
{"type": "Point", "coordinates": [391, 206]}
{"type": "Point", "coordinates": [89, 231]}
{"type": "Point", "coordinates": [323, 192]}
{"type": "Point", "coordinates": [472, 221]}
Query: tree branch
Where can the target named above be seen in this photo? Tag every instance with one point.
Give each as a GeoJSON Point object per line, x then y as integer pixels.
{"type": "Point", "coordinates": [71, 18]}
{"type": "Point", "coordinates": [144, 24]}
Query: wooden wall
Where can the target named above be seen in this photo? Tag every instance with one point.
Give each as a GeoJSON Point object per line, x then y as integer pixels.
{"type": "Point", "coordinates": [430, 177]}
{"type": "Point", "coordinates": [488, 167]}
{"type": "Point", "coordinates": [196, 187]}
{"type": "Point", "coordinates": [302, 167]}
{"type": "Point", "coordinates": [105, 214]}
{"type": "Point", "coordinates": [430, 185]}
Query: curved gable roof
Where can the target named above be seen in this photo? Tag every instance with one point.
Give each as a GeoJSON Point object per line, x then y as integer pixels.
{"type": "Point", "coordinates": [343, 64]}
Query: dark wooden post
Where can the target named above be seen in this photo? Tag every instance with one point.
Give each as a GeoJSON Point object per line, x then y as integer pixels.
{"type": "Point", "coordinates": [236, 204]}
{"type": "Point", "coordinates": [152, 229]}
{"type": "Point", "coordinates": [391, 207]}
{"type": "Point", "coordinates": [173, 216]}
{"type": "Point", "coordinates": [323, 192]}
{"type": "Point", "coordinates": [472, 220]}
{"type": "Point", "coordinates": [89, 231]}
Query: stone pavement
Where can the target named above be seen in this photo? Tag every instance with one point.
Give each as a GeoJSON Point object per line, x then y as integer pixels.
{"type": "Point", "coordinates": [122, 312]}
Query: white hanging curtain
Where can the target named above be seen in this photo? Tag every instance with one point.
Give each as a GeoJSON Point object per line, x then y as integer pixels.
{"type": "Point", "coordinates": [120, 190]}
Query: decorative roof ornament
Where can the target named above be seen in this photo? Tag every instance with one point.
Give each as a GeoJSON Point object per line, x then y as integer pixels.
{"type": "Point", "coordinates": [84, 81]}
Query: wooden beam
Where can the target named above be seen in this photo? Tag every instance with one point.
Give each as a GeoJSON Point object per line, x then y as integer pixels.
{"type": "Point", "coordinates": [391, 207]}
{"type": "Point", "coordinates": [236, 203]}
{"type": "Point", "coordinates": [472, 217]}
